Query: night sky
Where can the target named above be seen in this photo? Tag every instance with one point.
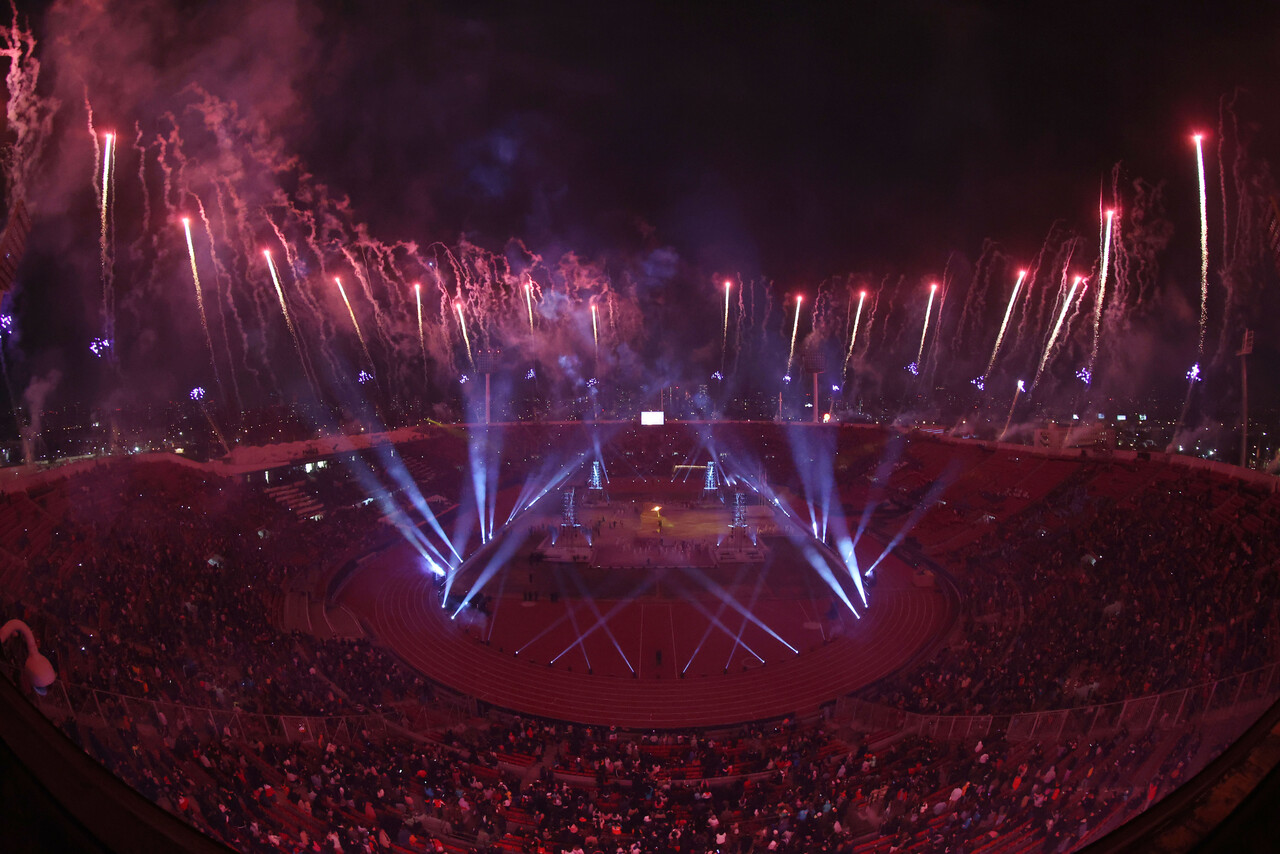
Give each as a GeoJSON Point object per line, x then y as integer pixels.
{"type": "Point", "coordinates": [792, 145]}
{"type": "Point", "coordinates": [798, 146]}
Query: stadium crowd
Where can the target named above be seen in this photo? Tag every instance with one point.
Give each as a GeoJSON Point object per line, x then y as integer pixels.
{"type": "Point", "coordinates": [1090, 598]}
{"type": "Point", "coordinates": [163, 587]}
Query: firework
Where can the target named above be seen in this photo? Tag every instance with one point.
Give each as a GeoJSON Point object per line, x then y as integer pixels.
{"type": "Point", "coordinates": [1193, 377]}
{"type": "Point", "coordinates": [422, 341]}
{"type": "Point", "coordinates": [595, 330]}
{"type": "Point", "coordinates": [1085, 376]}
{"type": "Point", "coordinates": [108, 156]}
{"type": "Point", "coordinates": [100, 347]}
{"type": "Point", "coordinates": [466, 339]}
{"type": "Point", "coordinates": [795, 327]}
{"type": "Point", "coordinates": [284, 306]}
{"type": "Point", "coordinates": [913, 369]}
{"type": "Point", "coordinates": [1057, 327]}
{"type": "Point", "coordinates": [724, 338]}
{"type": "Point", "coordinates": [195, 277]}
{"type": "Point", "coordinates": [196, 393]}
{"type": "Point", "coordinates": [1204, 242]}
{"type": "Point", "coordinates": [1020, 389]}
{"type": "Point", "coordinates": [351, 311]}
{"type": "Point", "coordinates": [933, 290]}
{"type": "Point", "coordinates": [979, 382]}
{"type": "Point", "coordinates": [1004, 324]}
{"type": "Point", "coordinates": [364, 377]}
{"type": "Point", "coordinates": [528, 301]}
{"type": "Point", "coordinates": [6, 324]}
{"type": "Point", "coordinates": [857, 318]}
{"type": "Point", "coordinates": [108, 151]}
{"type": "Point", "coordinates": [1102, 290]}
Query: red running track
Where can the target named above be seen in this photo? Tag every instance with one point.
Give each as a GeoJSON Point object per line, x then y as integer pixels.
{"type": "Point", "coordinates": [401, 606]}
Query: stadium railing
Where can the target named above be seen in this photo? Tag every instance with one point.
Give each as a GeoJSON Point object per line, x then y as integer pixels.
{"type": "Point", "coordinates": [93, 705]}
{"type": "Point", "coordinates": [1138, 714]}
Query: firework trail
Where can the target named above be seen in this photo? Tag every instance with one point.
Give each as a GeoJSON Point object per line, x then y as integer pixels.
{"type": "Point", "coordinates": [284, 307]}
{"type": "Point", "coordinates": [1225, 108]}
{"type": "Point", "coordinates": [303, 295]}
{"type": "Point", "coordinates": [29, 116]}
{"type": "Point", "coordinates": [1102, 289]}
{"type": "Point", "coordinates": [933, 290]}
{"type": "Point", "coordinates": [595, 332]}
{"type": "Point", "coordinates": [1021, 388]}
{"type": "Point", "coordinates": [204, 321]}
{"type": "Point", "coordinates": [1057, 327]}
{"type": "Point", "coordinates": [1004, 324]}
{"type": "Point", "coordinates": [791, 354]}
{"type": "Point", "coordinates": [853, 338]}
{"type": "Point", "coordinates": [1193, 377]}
{"type": "Point", "coordinates": [466, 339]}
{"type": "Point", "coordinates": [422, 341]}
{"type": "Point", "coordinates": [1204, 241]}
{"type": "Point", "coordinates": [351, 311]}
{"type": "Point", "coordinates": [218, 273]}
{"type": "Point", "coordinates": [724, 338]}
{"type": "Point", "coordinates": [380, 321]}
{"type": "Point", "coordinates": [108, 297]}
{"type": "Point", "coordinates": [944, 290]}
{"type": "Point", "coordinates": [528, 301]}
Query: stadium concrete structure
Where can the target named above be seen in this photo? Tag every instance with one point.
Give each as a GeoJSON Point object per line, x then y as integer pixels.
{"type": "Point", "coordinates": [657, 602]}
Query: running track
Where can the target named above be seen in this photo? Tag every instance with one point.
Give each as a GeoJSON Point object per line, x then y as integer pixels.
{"type": "Point", "coordinates": [401, 607]}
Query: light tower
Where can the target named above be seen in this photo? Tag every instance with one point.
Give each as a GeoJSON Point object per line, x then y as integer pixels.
{"type": "Point", "coordinates": [595, 481]}
{"type": "Point", "coordinates": [486, 363]}
{"type": "Point", "coordinates": [815, 363]}
{"type": "Point", "coordinates": [1246, 347]}
{"type": "Point", "coordinates": [569, 512]}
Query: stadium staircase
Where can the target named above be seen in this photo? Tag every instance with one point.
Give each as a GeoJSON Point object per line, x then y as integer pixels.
{"type": "Point", "coordinates": [291, 497]}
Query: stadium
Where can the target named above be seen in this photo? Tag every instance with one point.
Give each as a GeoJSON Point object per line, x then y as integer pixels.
{"type": "Point", "coordinates": [274, 647]}
{"type": "Point", "coordinates": [616, 428]}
